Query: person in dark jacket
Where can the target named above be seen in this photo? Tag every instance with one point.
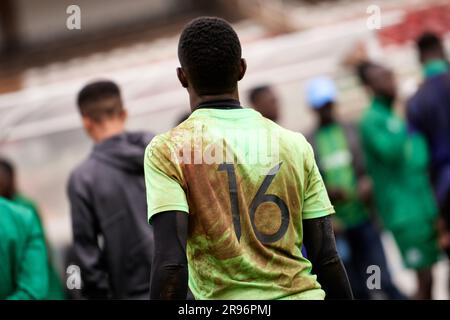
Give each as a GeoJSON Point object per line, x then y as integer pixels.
{"type": "Point", "coordinates": [113, 243]}
{"type": "Point", "coordinates": [429, 114]}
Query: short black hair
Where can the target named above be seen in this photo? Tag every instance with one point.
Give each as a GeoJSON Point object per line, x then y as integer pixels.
{"type": "Point", "coordinates": [254, 92]}
{"type": "Point", "coordinates": [210, 52]}
{"type": "Point", "coordinates": [7, 167]}
{"type": "Point", "coordinates": [362, 69]}
{"type": "Point", "coordinates": [429, 42]}
{"type": "Point", "coordinates": [7, 177]}
{"type": "Point", "coordinates": [100, 99]}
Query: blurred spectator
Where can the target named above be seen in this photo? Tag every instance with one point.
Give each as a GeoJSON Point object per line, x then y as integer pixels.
{"type": "Point", "coordinates": [339, 157]}
{"type": "Point", "coordinates": [24, 269]}
{"type": "Point", "coordinates": [264, 100]}
{"type": "Point", "coordinates": [112, 239]}
{"type": "Point", "coordinates": [9, 191]}
{"type": "Point", "coordinates": [397, 163]}
{"type": "Point", "coordinates": [429, 113]}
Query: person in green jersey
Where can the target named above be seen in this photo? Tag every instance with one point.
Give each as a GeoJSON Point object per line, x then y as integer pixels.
{"type": "Point", "coordinates": [231, 195]}
{"type": "Point", "coordinates": [339, 158]}
{"type": "Point", "coordinates": [397, 162]}
{"type": "Point", "coordinates": [9, 191]}
{"type": "Point", "coordinates": [23, 254]}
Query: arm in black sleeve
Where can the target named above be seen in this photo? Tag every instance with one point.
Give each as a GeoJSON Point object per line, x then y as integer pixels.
{"type": "Point", "coordinates": [326, 263]}
{"type": "Point", "coordinates": [86, 248]}
{"type": "Point", "coordinates": [169, 278]}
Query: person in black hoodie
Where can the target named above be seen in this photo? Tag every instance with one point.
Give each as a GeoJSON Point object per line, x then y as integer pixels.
{"type": "Point", "coordinates": [112, 242]}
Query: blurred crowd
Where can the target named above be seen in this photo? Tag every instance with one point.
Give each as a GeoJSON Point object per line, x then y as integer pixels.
{"type": "Point", "coordinates": [389, 171]}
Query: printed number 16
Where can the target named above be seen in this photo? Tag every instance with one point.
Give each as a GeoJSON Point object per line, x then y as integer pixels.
{"type": "Point", "coordinates": [259, 199]}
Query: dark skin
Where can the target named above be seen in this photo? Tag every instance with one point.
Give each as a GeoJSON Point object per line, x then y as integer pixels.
{"type": "Point", "coordinates": [437, 53]}
{"type": "Point", "coordinates": [7, 185]}
{"type": "Point", "coordinates": [381, 82]}
{"type": "Point", "coordinates": [195, 99]}
{"type": "Point", "coordinates": [266, 102]}
{"type": "Point", "coordinates": [169, 268]}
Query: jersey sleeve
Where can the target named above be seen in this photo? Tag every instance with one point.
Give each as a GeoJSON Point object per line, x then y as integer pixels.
{"type": "Point", "coordinates": [163, 180]}
{"type": "Point", "coordinates": [32, 271]}
{"type": "Point", "coordinates": [316, 203]}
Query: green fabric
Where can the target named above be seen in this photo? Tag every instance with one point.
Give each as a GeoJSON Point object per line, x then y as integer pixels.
{"type": "Point", "coordinates": [435, 68]}
{"type": "Point", "coordinates": [25, 202]}
{"type": "Point", "coordinates": [56, 290]}
{"type": "Point", "coordinates": [397, 163]}
{"type": "Point", "coordinates": [417, 244]}
{"type": "Point", "coordinates": [335, 162]}
{"type": "Point", "coordinates": [221, 264]}
{"type": "Point", "coordinates": [23, 267]}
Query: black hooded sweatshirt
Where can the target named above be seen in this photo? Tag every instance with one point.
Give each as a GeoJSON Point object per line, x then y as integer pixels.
{"type": "Point", "coordinates": [113, 243]}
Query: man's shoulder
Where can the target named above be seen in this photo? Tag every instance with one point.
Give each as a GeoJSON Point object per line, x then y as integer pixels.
{"type": "Point", "coordinates": [296, 143]}
{"type": "Point", "coordinates": [158, 143]}
{"type": "Point", "coordinates": [432, 87]}
{"type": "Point", "coordinates": [83, 171]}
{"type": "Point", "coordinates": [372, 116]}
{"type": "Point", "coordinates": [16, 213]}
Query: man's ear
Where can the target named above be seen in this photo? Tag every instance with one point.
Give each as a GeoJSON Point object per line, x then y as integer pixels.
{"type": "Point", "coordinates": [88, 124]}
{"type": "Point", "coordinates": [182, 77]}
{"type": "Point", "coordinates": [242, 69]}
{"type": "Point", "coordinates": [124, 114]}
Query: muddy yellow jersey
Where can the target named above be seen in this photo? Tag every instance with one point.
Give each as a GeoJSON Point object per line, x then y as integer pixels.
{"type": "Point", "coordinates": [246, 184]}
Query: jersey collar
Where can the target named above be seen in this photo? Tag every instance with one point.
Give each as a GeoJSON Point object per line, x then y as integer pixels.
{"type": "Point", "coordinates": [220, 104]}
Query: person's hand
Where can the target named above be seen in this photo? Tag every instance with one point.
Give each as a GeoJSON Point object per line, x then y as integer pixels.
{"type": "Point", "coordinates": [443, 234]}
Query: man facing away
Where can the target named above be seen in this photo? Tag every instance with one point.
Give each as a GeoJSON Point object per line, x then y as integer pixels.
{"type": "Point", "coordinates": [112, 241]}
{"type": "Point", "coordinates": [232, 194]}
{"type": "Point", "coordinates": [397, 163]}
{"type": "Point", "coordinates": [340, 161]}
{"type": "Point", "coordinates": [429, 114]}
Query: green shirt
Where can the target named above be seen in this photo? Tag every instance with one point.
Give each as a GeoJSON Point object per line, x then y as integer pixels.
{"type": "Point", "coordinates": [246, 184]}
{"type": "Point", "coordinates": [56, 290]}
{"type": "Point", "coordinates": [397, 162]}
{"type": "Point", "coordinates": [434, 68]}
{"type": "Point", "coordinates": [335, 162]}
{"type": "Point", "coordinates": [23, 267]}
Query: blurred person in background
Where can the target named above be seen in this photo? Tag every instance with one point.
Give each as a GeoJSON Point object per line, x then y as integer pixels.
{"type": "Point", "coordinates": [397, 163]}
{"type": "Point", "coordinates": [429, 113]}
{"type": "Point", "coordinates": [23, 254]}
{"type": "Point", "coordinates": [264, 100]}
{"type": "Point", "coordinates": [339, 157]}
{"type": "Point", "coordinates": [181, 118]}
{"type": "Point", "coordinates": [112, 240]}
{"type": "Point", "coordinates": [8, 190]}
{"type": "Point", "coordinates": [203, 214]}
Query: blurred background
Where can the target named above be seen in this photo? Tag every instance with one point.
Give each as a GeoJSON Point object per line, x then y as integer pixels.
{"type": "Point", "coordinates": [43, 64]}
